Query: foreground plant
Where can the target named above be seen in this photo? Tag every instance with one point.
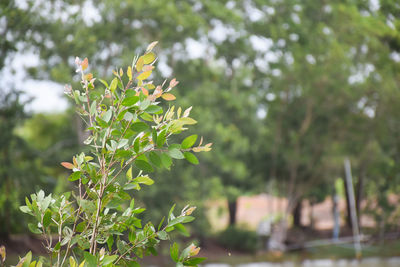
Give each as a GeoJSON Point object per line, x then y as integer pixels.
{"type": "Point", "coordinates": [130, 135]}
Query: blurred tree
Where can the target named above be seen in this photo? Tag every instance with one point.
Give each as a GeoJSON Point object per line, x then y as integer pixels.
{"type": "Point", "coordinates": [17, 163]}
{"type": "Point", "coordinates": [322, 79]}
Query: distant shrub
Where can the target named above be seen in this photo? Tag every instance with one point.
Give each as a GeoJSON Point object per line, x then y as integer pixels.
{"type": "Point", "coordinates": [238, 239]}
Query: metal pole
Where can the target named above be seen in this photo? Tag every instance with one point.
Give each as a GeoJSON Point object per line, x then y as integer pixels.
{"type": "Point", "coordinates": [353, 212]}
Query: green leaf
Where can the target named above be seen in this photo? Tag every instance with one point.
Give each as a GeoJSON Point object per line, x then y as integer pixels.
{"type": "Point", "coordinates": [166, 160]}
{"type": "Point", "coordinates": [175, 153]}
{"type": "Point", "coordinates": [93, 107]}
{"type": "Point", "coordinates": [122, 246]}
{"type": "Point", "coordinates": [25, 209]}
{"type": "Point", "coordinates": [189, 141]}
{"type": "Point", "coordinates": [144, 104]}
{"type": "Point", "coordinates": [90, 259]}
{"type": "Point", "coordinates": [183, 219]}
{"type": "Point", "coordinates": [47, 218]}
{"type": "Point", "coordinates": [129, 173]}
{"type": "Point", "coordinates": [146, 116]}
{"type": "Point", "coordinates": [132, 236]}
{"type": "Point", "coordinates": [144, 180]}
{"type": "Point", "coordinates": [34, 229]}
{"type": "Point", "coordinates": [104, 83]}
{"type": "Point", "coordinates": [191, 158]}
{"type": "Point", "coordinates": [144, 166]}
{"type": "Point", "coordinates": [110, 242]}
{"type": "Point", "coordinates": [81, 226]}
{"type": "Point", "coordinates": [154, 109]}
{"type": "Point", "coordinates": [174, 250]}
{"type": "Point", "coordinates": [132, 204]}
{"type": "Point", "coordinates": [122, 143]}
{"type": "Point", "coordinates": [109, 259]}
{"type": "Point", "coordinates": [154, 136]}
{"type": "Point", "coordinates": [113, 85]}
{"type": "Point", "coordinates": [57, 246]}
{"type": "Point", "coordinates": [162, 235]}
{"type": "Point", "coordinates": [139, 126]}
{"type": "Point", "coordinates": [75, 176]}
{"type": "Point", "coordinates": [170, 213]}
{"type": "Point", "coordinates": [160, 224]}
{"type": "Point", "coordinates": [130, 101]}
{"type": "Point", "coordinates": [193, 261]}
{"type": "Point", "coordinates": [161, 139]}
{"type": "Point", "coordinates": [155, 159]}
{"type": "Point", "coordinates": [182, 229]}
{"type": "Point", "coordinates": [107, 115]}
{"type": "Point", "coordinates": [28, 258]}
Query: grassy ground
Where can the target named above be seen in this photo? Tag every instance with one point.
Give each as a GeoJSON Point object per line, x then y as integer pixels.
{"type": "Point", "coordinates": [217, 254]}
{"type": "Point", "coordinates": [388, 249]}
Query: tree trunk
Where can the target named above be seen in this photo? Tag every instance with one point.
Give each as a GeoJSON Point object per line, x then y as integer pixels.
{"type": "Point", "coordinates": [348, 214]}
{"type": "Point", "coordinates": [232, 208]}
{"type": "Point", "coordinates": [279, 231]}
{"type": "Point", "coordinates": [297, 215]}
{"type": "Point", "coordinates": [359, 193]}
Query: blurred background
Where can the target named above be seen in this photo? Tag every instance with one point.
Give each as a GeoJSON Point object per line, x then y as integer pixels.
{"type": "Point", "coordinates": [301, 100]}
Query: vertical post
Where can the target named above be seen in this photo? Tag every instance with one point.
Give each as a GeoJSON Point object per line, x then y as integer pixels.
{"type": "Point", "coordinates": [353, 212]}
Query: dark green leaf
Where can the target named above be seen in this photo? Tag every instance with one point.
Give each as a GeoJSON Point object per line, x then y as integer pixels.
{"type": "Point", "coordinates": [174, 250]}
{"type": "Point", "coordinates": [161, 139]}
{"type": "Point", "coordinates": [34, 229]}
{"type": "Point", "coordinates": [144, 166]}
{"type": "Point", "coordinates": [155, 159]}
{"type": "Point", "coordinates": [81, 226]}
{"type": "Point", "coordinates": [91, 260]}
{"type": "Point", "coordinates": [110, 242]}
{"type": "Point", "coordinates": [166, 160]}
{"type": "Point", "coordinates": [109, 259]}
{"type": "Point", "coordinates": [130, 101]}
{"type": "Point", "coordinates": [47, 218]}
{"type": "Point", "coordinates": [193, 261]}
{"type": "Point", "coordinates": [182, 229]}
{"type": "Point", "coordinates": [139, 126]}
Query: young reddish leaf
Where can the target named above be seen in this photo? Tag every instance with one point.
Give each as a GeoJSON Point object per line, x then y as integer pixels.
{"type": "Point", "coordinates": [88, 76]}
{"type": "Point", "coordinates": [168, 96]}
{"type": "Point", "coordinates": [67, 165]}
{"type": "Point", "coordinates": [147, 68]}
{"type": "Point", "coordinates": [158, 91]}
{"type": "Point", "coordinates": [85, 63]}
{"type": "Point", "coordinates": [145, 92]}
{"type": "Point", "coordinates": [144, 75]}
{"type": "Point", "coordinates": [173, 83]}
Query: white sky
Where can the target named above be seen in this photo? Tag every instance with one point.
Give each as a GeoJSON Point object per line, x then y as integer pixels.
{"type": "Point", "coordinates": [46, 96]}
